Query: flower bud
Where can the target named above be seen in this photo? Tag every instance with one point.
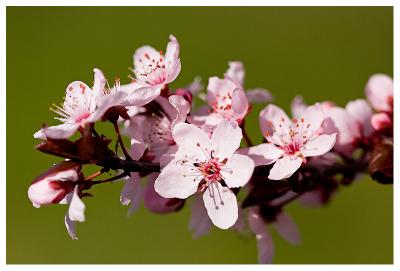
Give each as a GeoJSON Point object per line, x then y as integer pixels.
{"type": "Point", "coordinates": [185, 94]}
{"type": "Point", "coordinates": [52, 186]}
{"type": "Point", "coordinates": [381, 121]}
{"type": "Point", "coordinates": [379, 91]}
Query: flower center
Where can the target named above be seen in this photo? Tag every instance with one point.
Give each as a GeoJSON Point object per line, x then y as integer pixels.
{"type": "Point", "coordinates": [210, 169]}
{"type": "Point", "coordinates": [152, 71]}
{"type": "Point", "coordinates": [290, 137]}
{"type": "Point", "coordinates": [82, 117]}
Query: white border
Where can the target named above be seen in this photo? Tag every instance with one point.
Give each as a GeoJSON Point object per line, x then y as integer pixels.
{"type": "Point", "coordinates": [394, 3]}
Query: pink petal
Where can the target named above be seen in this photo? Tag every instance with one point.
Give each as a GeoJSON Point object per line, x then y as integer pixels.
{"type": "Point", "coordinates": [312, 118]}
{"type": "Point", "coordinates": [298, 107]}
{"type": "Point", "coordinates": [143, 57]}
{"type": "Point", "coordinates": [319, 145]}
{"type": "Point", "coordinates": [285, 167]}
{"type": "Point", "coordinates": [236, 72]}
{"type": "Point", "coordinates": [154, 202]}
{"type": "Point", "coordinates": [218, 88]}
{"type": "Point", "coordinates": [265, 244]}
{"type": "Point", "coordinates": [273, 118]}
{"type": "Point", "coordinates": [287, 229]}
{"type": "Point", "coordinates": [172, 52]}
{"type": "Point", "coordinates": [221, 205]}
{"type": "Point", "coordinates": [195, 86]}
{"type": "Point", "coordinates": [39, 134]}
{"type": "Point", "coordinates": [71, 227]}
{"type": "Point", "coordinates": [176, 181]}
{"type": "Point", "coordinates": [240, 104]}
{"type": "Point", "coordinates": [199, 224]}
{"type": "Point", "coordinates": [362, 113]}
{"type": "Point", "coordinates": [79, 97]}
{"type": "Point", "coordinates": [76, 211]}
{"type": "Point", "coordinates": [140, 96]}
{"type": "Point", "coordinates": [105, 103]}
{"type": "Point", "coordinates": [341, 122]}
{"type": "Point", "coordinates": [133, 131]}
{"type": "Point", "coordinates": [237, 171]}
{"type": "Point", "coordinates": [173, 71]}
{"type": "Point", "coordinates": [182, 108]}
{"type": "Point", "coordinates": [99, 80]}
{"type": "Point", "coordinates": [132, 193]}
{"type": "Point", "coordinates": [225, 139]}
{"type": "Point", "coordinates": [379, 91]}
{"type": "Point", "coordinates": [380, 121]}
{"type": "Point", "coordinates": [263, 154]}
{"type": "Point", "coordinates": [61, 131]}
{"type": "Point", "coordinates": [192, 141]}
{"type": "Point", "coordinates": [258, 95]}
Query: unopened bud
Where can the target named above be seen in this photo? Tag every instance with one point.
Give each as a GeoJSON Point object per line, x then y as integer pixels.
{"type": "Point", "coordinates": [381, 121]}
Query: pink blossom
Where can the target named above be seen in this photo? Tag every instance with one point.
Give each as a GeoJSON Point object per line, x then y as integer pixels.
{"type": "Point", "coordinates": [379, 92]}
{"type": "Point", "coordinates": [201, 164]}
{"type": "Point", "coordinates": [352, 124]}
{"type": "Point", "coordinates": [381, 121]}
{"type": "Point", "coordinates": [153, 71]}
{"type": "Point", "coordinates": [290, 141]}
{"type": "Point", "coordinates": [82, 105]}
{"type": "Point", "coordinates": [227, 98]}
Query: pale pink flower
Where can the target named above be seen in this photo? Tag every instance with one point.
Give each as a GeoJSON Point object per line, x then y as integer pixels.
{"type": "Point", "coordinates": [82, 105]}
{"type": "Point", "coordinates": [381, 121]}
{"type": "Point", "coordinates": [153, 71]}
{"type": "Point", "coordinates": [352, 124]}
{"type": "Point", "coordinates": [379, 91]}
{"type": "Point", "coordinates": [290, 141]}
{"type": "Point", "coordinates": [201, 164]}
{"type": "Point", "coordinates": [152, 131]}
{"type": "Point", "coordinates": [227, 98]}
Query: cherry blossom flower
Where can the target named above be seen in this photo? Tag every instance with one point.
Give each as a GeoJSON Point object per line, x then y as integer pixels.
{"type": "Point", "coordinates": [352, 124]}
{"type": "Point", "coordinates": [379, 92]}
{"type": "Point", "coordinates": [59, 185]}
{"type": "Point", "coordinates": [228, 99]}
{"type": "Point", "coordinates": [289, 142]}
{"type": "Point", "coordinates": [206, 165]}
{"type": "Point", "coordinates": [153, 71]}
{"type": "Point", "coordinates": [82, 105]}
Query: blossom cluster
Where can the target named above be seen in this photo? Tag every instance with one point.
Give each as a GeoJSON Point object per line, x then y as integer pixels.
{"type": "Point", "coordinates": [205, 153]}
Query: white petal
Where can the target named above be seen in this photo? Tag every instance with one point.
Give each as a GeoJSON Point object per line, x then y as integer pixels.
{"type": "Point", "coordinates": [182, 108]}
{"type": "Point", "coordinates": [226, 139]}
{"type": "Point", "coordinates": [79, 98]}
{"type": "Point", "coordinates": [177, 181]}
{"type": "Point", "coordinates": [284, 167]}
{"type": "Point", "coordinates": [71, 227]}
{"type": "Point", "coordinates": [132, 193]}
{"type": "Point", "coordinates": [265, 244]}
{"type": "Point", "coordinates": [76, 211]}
{"type": "Point", "coordinates": [39, 134]}
{"type": "Point", "coordinates": [319, 145]}
{"type": "Point", "coordinates": [298, 107]}
{"type": "Point", "coordinates": [200, 224]}
{"type": "Point", "coordinates": [311, 120]}
{"type": "Point", "coordinates": [192, 141]}
{"type": "Point", "coordinates": [139, 96]}
{"type": "Point", "coordinates": [221, 205]}
{"type": "Point", "coordinates": [237, 171]}
{"type": "Point", "coordinates": [236, 72]}
{"type": "Point", "coordinates": [272, 118]}
{"type": "Point", "coordinates": [287, 229]}
{"type": "Point", "coordinates": [61, 131]}
{"type": "Point", "coordinates": [263, 154]}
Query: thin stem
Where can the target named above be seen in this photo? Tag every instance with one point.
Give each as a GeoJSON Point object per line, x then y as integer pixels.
{"type": "Point", "coordinates": [119, 176]}
{"type": "Point", "coordinates": [94, 175]}
{"type": "Point", "coordinates": [121, 143]}
{"type": "Point", "coordinates": [247, 138]}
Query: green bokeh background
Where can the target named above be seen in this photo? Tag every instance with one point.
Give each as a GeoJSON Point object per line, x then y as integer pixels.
{"type": "Point", "coordinates": [323, 53]}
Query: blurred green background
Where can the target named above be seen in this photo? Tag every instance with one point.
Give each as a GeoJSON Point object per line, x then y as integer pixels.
{"type": "Point", "coordinates": [323, 53]}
